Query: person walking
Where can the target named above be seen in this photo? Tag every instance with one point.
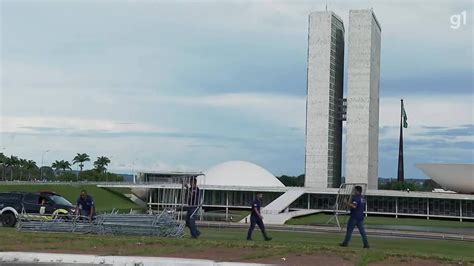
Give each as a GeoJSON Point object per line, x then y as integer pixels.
{"type": "Point", "coordinates": [357, 206]}
{"type": "Point", "coordinates": [256, 218]}
{"type": "Point", "coordinates": [194, 202]}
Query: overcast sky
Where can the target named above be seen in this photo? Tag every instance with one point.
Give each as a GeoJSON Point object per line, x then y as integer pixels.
{"type": "Point", "coordinates": [185, 85]}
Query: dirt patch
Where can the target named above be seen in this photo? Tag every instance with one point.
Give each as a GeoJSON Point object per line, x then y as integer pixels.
{"type": "Point", "coordinates": [412, 262]}
{"type": "Point", "coordinates": [218, 254]}
{"type": "Point", "coordinates": [308, 259]}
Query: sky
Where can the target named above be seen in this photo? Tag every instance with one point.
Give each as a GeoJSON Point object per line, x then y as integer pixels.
{"type": "Point", "coordinates": [184, 85]}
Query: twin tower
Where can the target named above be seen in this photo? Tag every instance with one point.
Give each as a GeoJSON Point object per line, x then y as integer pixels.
{"type": "Point", "coordinates": [326, 107]}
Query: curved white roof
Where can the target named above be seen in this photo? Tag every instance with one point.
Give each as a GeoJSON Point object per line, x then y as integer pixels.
{"type": "Point", "coordinates": [455, 177]}
{"type": "Point", "coordinates": [240, 173]}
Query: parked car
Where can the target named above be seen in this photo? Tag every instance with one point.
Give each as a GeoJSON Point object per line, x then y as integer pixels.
{"type": "Point", "coordinates": [44, 204]}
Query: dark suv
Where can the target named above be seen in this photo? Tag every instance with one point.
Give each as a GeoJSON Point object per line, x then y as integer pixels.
{"type": "Point", "coordinates": [35, 204]}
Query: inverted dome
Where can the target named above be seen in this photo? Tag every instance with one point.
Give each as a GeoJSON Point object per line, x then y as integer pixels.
{"type": "Point", "coordinates": [455, 177]}
{"type": "Point", "coordinates": [240, 173]}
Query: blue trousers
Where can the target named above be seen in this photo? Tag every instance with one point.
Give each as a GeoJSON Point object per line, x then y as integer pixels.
{"type": "Point", "coordinates": [350, 228]}
{"type": "Point", "coordinates": [254, 220]}
{"type": "Point", "coordinates": [191, 222]}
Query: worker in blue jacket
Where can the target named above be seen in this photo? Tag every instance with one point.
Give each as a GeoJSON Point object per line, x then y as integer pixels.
{"type": "Point", "coordinates": [256, 218]}
{"type": "Point", "coordinates": [357, 205]}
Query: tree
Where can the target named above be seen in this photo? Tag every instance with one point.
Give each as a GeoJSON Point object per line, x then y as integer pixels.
{"type": "Point", "coordinates": [46, 172]}
{"type": "Point", "coordinates": [56, 165]}
{"type": "Point", "coordinates": [12, 162]}
{"type": "Point", "coordinates": [101, 163]}
{"type": "Point", "coordinates": [22, 164]}
{"type": "Point", "coordinates": [292, 181]}
{"type": "Point", "coordinates": [30, 165]}
{"type": "Point", "coordinates": [395, 185]}
{"type": "Point", "coordinates": [80, 159]}
{"type": "Point", "coordinates": [3, 161]}
{"type": "Point", "coordinates": [429, 185]}
{"type": "Point", "coordinates": [65, 165]}
{"type": "Point", "coordinates": [61, 166]}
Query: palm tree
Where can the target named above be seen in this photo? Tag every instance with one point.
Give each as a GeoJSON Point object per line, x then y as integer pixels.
{"type": "Point", "coordinates": [65, 165]}
{"type": "Point", "coordinates": [56, 165]}
{"type": "Point", "coordinates": [3, 161]}
{"type": "Point", "coordinates": [22, 164]}
{"type": "Point", "coordinates": [101, 163]}
{"type": "Point", "coordinates": [30, 165]}
{"type": "Point", "coordinates": [12, 162]}
{"type": "Point", "coordinates": [81, 158]}
{"type": "Point", "coordinates": [61, 166]}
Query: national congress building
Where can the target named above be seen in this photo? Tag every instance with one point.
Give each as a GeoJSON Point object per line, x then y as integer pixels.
{"type": "Point", "coordinates": [327, 108]}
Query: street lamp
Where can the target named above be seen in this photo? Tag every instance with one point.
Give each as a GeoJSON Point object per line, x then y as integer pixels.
{"type": "Point", "coordinates": [42, 160]}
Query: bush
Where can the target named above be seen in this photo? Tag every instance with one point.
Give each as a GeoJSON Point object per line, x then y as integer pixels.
{"type": "Point", "coordinates": [292, 181]}
{"type": "Point", "coordinates": [88, 175]}
{"type": "Point", "coordinates": [66, 177]}
{"type": "Point", "coordinates": [396, 185]}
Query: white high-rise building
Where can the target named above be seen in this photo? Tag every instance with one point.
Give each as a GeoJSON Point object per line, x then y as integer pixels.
{"type": "Point", "coordinates": [324, 100]}
{"type": "Point", "coordinates": [363, 98]}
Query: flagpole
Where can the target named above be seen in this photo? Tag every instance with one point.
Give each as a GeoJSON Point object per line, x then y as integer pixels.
{"type": "Point", "coordinates": [401, 172]}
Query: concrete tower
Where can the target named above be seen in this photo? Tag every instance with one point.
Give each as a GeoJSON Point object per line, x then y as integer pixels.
{"type": "Point", "coordinates": [324, 100]}
{"type": "Point", "coordinates": [363, 98]}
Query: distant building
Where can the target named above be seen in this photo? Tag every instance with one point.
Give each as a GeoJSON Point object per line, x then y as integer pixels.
{"type": "Point", "coordinates": [233, 185]}
{"type": "Point", "coordinates": [452, 177]}
{"type": "Point", "coordinates": [363, 81]}
{"type": "Point", "coordinates": [324, 100]}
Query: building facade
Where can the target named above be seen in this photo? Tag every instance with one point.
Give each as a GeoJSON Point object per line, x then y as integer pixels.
{"type": "Point", "coordinates": [379, 202]}
{"type": "Point", "coordinates": [363, 98]}
{"type": "Point", "coordinates": [324, 100]}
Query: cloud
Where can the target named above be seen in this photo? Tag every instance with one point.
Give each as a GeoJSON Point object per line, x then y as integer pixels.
{"type": "Point", "coordinates": [191, 84]}
{"type": "Point", "coordinates": [462, 131]}
{"type": "Point", "coordinates": [278, 109]}
{"type": "Point", "coordinates": [431, 110]}
{"type": "Point", "coordinates": [71, 125]}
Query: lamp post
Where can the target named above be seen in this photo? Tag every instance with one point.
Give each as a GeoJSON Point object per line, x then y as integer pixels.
{"type": "Point", "coordinates": [133, 171]}
{"type": "Point", "coordinates": [42, 160]}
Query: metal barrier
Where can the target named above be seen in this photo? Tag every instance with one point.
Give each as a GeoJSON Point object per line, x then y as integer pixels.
{"type": "Point", "coordinates": [163, 224]}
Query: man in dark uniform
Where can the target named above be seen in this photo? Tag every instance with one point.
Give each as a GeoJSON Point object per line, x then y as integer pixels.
{"type": "Point", "coordinates": [357, 206]}
{"type": "Point", "coordinates": [256, 218]}
{"type": "Point", "coordinates": [85, 205]}
{"type": "Point", "coordinates": [194, 200]}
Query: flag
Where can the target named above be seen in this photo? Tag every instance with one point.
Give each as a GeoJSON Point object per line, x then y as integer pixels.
{"type": "Point", "coordinates": [404, 116]}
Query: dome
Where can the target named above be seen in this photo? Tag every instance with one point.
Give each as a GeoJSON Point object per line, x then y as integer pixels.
{"type": "Point", "coordinates": [455, 177]}
{"type": "Point", "coordinates": [240, 173]}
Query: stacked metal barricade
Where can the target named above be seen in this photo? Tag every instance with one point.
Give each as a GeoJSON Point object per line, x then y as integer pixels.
{"type": "Point", "coordinates": [162, 224]}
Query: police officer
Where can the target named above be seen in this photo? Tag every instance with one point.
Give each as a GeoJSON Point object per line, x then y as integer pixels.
{"type": "Point", "coordinates": [194, 200]}
{"type": "Point", "coordinates": [256, 218]}
{"type": "Point", "coordinates": [357, 206]}
{"type": "Point", "coordinates": [85, 205]}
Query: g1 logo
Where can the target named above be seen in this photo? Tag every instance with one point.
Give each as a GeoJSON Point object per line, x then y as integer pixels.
{"type": "Point", "coordinates": [458, 20]}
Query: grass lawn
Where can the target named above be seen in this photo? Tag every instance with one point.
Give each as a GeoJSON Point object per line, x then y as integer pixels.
{"type": "Point", "coordinates": [105, 199]}
{"type": "Point", "coordinates": [231, 241]}
{"type": "Point", "coordinates": [321, 218]}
